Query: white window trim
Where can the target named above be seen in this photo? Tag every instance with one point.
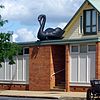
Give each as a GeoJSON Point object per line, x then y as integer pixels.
{"type": "Point", "coordinates": [13, 82]}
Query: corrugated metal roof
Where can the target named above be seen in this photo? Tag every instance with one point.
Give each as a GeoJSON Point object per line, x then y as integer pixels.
{"type": "Point", "coordinates": [95, 4]}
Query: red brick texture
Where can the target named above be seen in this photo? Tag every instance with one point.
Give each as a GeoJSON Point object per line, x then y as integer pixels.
{"type": "Point", "coordinates": [14, 87]}
{"type": "Point", "coordinates": [98, 60]}
{"type": "Point", "coordinates": [39, 71]}
{"type": "Point", "coordinates": [78, 88]}
{"type": "Point", "coordinates": [45, 61]}
{"type": "Point", "coordinates": [57, 65]}
{"type": "Point", "coordinates": [67, 68]}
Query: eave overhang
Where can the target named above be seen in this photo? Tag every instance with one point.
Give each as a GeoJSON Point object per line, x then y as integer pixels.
{"type": "Point", "coordinates": [60, 42]}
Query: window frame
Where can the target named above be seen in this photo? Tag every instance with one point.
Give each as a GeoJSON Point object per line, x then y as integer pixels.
{"type": "Point", "coordinates": [77, 45]}
{"type": "Point", "coordinates": [98, 22]}
{"type": "Point", "coordinates": [91, 26]}
{"type": "Point", "coordinates": [91, 51]}
{"type": "Point", "coordinates": [24, 52]}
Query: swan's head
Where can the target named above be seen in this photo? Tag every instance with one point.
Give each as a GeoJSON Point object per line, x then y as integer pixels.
{"type": "Point", "coordinates": [40, 17]}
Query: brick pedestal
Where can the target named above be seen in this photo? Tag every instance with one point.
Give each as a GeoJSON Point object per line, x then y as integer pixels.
{"type": "Point", "coordinates": [39, 71]}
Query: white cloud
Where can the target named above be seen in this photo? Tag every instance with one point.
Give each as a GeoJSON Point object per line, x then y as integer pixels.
{"type": "Point", "coordinates": [14, 37]}
{"type": "Point", "coordinates": [24, 35]}
{"type": "Point", "coordinates": [26, 11]}
{"type": "Point", "coordinates": [62, 25]}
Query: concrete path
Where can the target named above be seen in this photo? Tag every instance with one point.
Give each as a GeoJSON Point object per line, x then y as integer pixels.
{"type": "Point", "coordinates": [45, 94]}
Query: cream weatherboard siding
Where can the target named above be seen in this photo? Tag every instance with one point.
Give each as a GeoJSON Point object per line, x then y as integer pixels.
{"type": "Point", "coordinates": [82, 65]}
{"type": "Point", "coordinates": [17, 73]}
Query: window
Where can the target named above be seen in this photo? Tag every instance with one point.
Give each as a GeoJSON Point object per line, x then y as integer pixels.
{"type": "Point", "coordinates": [82, 64]}
{"type": "Point", "coordinates": [18, 72]}
{"type": "Point", "coordinates": [91, 48]}
{"type": "Point", "coordinates": [90, 22]}
{"type": "Point", "coordinates": [83, 48]}
{"type": "Point", "coordinates": [99, 22]}
{"type": "Point", "coordinates": [26, 50]}
{"type": "Point", "coordinates": [74, 49]}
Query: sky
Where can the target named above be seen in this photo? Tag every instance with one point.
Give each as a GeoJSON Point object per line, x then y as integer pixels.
{"type": "Point", "coordinates": [22, 16]}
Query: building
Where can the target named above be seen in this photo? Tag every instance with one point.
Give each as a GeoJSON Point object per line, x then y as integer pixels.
{"type": "Point", "coordinates": [69, 63]}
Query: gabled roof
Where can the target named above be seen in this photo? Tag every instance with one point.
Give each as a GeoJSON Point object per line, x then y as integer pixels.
{"type": "Point", "coordinates": [94, 3]}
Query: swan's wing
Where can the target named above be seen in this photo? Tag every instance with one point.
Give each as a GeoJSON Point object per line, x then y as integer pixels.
{"type": "Point", "coordinates": [58, 32]}
{"type": "Point", "coordinates": [49, 30]}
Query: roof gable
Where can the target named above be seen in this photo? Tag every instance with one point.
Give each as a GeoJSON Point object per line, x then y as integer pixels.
{"type": "Point", "coordinates": [94, 3]}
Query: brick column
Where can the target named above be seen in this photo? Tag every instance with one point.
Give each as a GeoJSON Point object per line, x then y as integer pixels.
{"type": "Point", "coordinates": [98, 60]}
{"type": "Point", "coordinates": [67, 69]}
{"type": "Point", "coordinates": [39, 70]}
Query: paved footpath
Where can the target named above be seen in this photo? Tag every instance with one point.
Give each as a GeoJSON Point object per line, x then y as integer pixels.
{"type": "Point", "coordinates": [21, 98]}
{"type": "Point", "coordinates": [45, 94]}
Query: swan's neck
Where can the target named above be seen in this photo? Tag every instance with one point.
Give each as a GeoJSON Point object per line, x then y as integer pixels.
{"type": "Point", "coordinates": [41, 34]}
{"type": "Point", "coordinates": [42, 24]}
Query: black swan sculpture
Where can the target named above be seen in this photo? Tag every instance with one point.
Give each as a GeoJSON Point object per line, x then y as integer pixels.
{"type": "Point", "coordinates": [49, 33]}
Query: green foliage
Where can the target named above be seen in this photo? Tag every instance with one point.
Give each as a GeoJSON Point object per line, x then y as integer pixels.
{"type": "Point", "coordinates": [2, 22]}
{"type": "Point", "coordinates": [8, 49]}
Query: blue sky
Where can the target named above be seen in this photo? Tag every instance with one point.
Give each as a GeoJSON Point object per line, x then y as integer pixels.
{"type": "Point", "coordinates": [22, 16]}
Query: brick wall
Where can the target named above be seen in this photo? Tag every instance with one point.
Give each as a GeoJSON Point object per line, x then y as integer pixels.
{"type": "Point", "coordinates": [39, 71]}
{"type": "Point", "coordinates": [14, 87]}
{"type": "Point", "coordinates": [78, 88]}
{"type": "Point", "coordinates": [98, 60]}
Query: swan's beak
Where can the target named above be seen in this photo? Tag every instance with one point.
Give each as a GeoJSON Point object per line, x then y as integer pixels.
{"type": "Point", "coordinates": [39, 18]}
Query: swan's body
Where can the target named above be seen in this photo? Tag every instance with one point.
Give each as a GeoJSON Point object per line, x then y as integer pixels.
{"type": "Point", "coordinates": [49, 33]}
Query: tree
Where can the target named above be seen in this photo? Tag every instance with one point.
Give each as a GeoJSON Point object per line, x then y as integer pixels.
{"type": "Point", "coordinates": [8, 49]}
